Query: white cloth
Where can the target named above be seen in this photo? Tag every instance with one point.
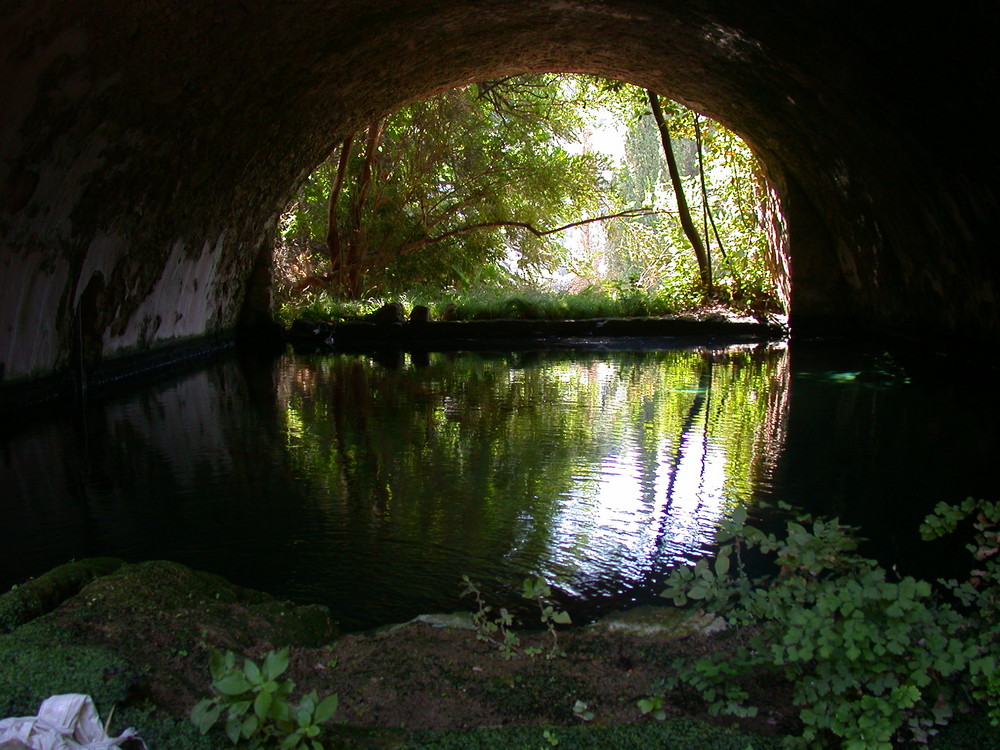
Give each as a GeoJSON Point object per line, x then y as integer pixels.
{"type": "Point", "coordinates": [64, 722]}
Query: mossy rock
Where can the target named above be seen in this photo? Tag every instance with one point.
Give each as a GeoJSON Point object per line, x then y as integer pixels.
{"type": "Point", "coordinates": [141, 634]}
{"type": "Point", "coordinates": [179, 605]}
{"type": "Point", "coordinates": [37, 596]}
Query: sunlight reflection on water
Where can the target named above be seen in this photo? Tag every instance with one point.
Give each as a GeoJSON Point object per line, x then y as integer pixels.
{"type": "Point", "coordinates": [598, 472]}
{"type": "Point", "coordinates": [373, 489]}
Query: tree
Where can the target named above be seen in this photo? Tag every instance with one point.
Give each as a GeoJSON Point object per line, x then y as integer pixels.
{"type": "Point", "coordinates": [690, 230]}
{"type": "Point", "coordinates": [446, 186]}
{"type": "Point", "coordinates": [474, 185]}
{"type": "Point", "coordinates": [720, 175]}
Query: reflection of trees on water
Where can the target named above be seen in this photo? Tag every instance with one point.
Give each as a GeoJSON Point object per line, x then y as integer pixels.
{"type": "Point", "coordinates": [582, 466]}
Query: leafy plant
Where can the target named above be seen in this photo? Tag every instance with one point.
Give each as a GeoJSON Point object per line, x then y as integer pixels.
{"type": "Point", "coordinates": [492, 628]}
{"type": "Point", "coordinates": [653, 705]}
{"type": "Point", "coordinates": [583, 711]}
{"type": "Point", "coordinates": [538, 591]}
{"type": "Point", "coordinates": [256, 707]}
{"type": "Point", "coordinates": [495, 626]}
{"type": "Point", "coordinates": [865, 656]}
{"type": "Point", "coordinates": [980, 594]}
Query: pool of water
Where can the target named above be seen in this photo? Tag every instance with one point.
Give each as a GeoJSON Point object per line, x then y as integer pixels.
{"type": "Point", "coordinates": [373, 485]}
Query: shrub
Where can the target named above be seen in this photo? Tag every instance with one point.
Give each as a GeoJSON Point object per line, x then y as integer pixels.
{"type": "Point", "coordinates": [868, 658]}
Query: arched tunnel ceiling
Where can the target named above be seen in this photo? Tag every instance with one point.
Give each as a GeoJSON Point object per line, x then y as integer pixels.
{"type": "Point", "coordinates": [145, 148]}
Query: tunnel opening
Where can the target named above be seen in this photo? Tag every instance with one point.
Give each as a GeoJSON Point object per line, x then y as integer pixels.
{"type": "Point", "coordinates": [163, 174]}
{"type": "Point", "coordinates": [544, 183]}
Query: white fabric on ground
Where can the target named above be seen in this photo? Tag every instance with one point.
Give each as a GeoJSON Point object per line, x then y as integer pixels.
{"type": "Point", "coordinates": [64, 722]}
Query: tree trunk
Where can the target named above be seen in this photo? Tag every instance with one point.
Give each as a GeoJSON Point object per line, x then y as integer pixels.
{"type": "Point", "coordinates": [704, 195]}
{"type": "Point", "coordinates": [690, 230]}
{"type": "Point", "coordinates": [334, 246]}
{"type": "Point", "coordinates": [353, 270]}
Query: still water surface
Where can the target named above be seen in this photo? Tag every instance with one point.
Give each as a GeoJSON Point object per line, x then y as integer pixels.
{"type": "Point", "coordinates": [373, 486]}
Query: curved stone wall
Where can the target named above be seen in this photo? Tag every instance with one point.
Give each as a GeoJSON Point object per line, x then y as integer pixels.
{"type": "Point", "coordinates": [146, 148]}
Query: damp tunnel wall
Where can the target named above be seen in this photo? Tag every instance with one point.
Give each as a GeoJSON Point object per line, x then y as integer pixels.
{"type": "Point", "coordinates": [147, 148]}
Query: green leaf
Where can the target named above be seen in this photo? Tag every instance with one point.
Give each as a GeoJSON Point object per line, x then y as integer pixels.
{"type": "Point", "coordinates": [233, 729]}
{"type": "Point", "coordinates": [562, 618]}
{"type": "Point", "coordinates": [216, 664]}
{"type": "Point", "coordinates": [238, 708]}
{"type": "Point", "coordinates": [233, 684]}
{"type": "Point", "coordinates": [249, 726]}
{"type": "Point", "coordinates": [327, 708]}
{"type": "Point", "coordinates": [722, 563]}
{"type": "Point", "coordinates": [204, 714]}
{"type": "Point", "coordinates": [303, 717]}
{"type": "Point", "coordinates": [697, 592]}
{"type": "Point", "coordinates": [276, 663]}
{"type": "Point", "coordinates": [252, 672]}
{"type": "Point", "coordinates": [262, 704]}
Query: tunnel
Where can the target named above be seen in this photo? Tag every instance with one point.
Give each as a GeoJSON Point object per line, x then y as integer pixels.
{"type": "Point", "coordinates": [147, 149]}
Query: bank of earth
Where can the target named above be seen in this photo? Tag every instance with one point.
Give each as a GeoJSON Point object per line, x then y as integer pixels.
{"type": "Point", "coordinates": [136, 637]}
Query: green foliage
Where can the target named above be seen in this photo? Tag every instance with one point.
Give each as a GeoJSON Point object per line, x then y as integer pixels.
{"type": "Point", "coordinates": [37, 596]}
{"type": "Point", "coordinates": [583, 711]}
{"type": "Point", "coordinates": [324, 306]}
{"type": "Point", "coordinates": [867, 657]}
{"type": "Point", "coordinates": [39, 661]}
{"type": "Point", "coordinates": [653, 705]}
{"type": "Point", "coordinates": [256, 706]}
{"type": "Point", "coordinates": [538, 591]}
{"type": "Point", "coordinates": [495, 626]}
{"type": "Point", "coordinates": [615, 300]}
{"type": "Point", "coordinates": [734, 210]}
{"type": "Point", "coordinates": [980, 594]}
{"type": "Point", "coordinates": [466, 185]}
{"type": "Point", "coordinates": [447, 185]}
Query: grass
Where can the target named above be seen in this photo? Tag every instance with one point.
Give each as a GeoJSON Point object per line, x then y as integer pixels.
{"type": "Point", "coordinates": [524, 304]}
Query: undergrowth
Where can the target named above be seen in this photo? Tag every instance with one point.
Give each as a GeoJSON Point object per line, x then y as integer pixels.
{"type": "Point", "coordinates": [617, 301]}
{"type": "Point", "coordinates": [255, 707]}
{"type": "Point", "coordinates": [871, 658]}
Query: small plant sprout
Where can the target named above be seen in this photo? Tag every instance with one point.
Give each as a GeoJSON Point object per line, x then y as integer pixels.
{"type": "Point", "coordinates": [582, 711]}
{"type": "Point", "coordinates": [653, 706]}
{"type": "Point", "coordinates": [492, 628]}
{"type": "Point", "coordinates": [538, 591]}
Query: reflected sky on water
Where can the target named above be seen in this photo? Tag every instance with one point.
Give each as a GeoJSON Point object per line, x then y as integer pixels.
{"type": "Point", "coordinates": [373, 484]}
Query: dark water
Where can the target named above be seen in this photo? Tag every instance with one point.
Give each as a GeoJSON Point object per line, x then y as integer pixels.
{"type": "Point", "coordinates": [372, 487]}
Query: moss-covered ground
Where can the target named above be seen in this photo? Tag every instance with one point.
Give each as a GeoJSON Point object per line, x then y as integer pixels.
{"type": "Point", "coordinates": [137, 640]}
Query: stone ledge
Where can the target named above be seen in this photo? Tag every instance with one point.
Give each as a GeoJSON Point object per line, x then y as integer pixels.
{"type": "Point", "coordinates": [361, 336]}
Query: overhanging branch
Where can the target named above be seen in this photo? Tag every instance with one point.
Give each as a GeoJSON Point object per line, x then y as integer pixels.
{"type": "Point", "coordinates": [630, 214]}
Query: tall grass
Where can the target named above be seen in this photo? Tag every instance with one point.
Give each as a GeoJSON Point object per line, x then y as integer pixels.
{"type": "Point", "coordinates": [620, 301]}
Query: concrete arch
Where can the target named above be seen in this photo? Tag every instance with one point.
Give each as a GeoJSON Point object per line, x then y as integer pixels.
{"type": "Point", "coordinates": [151, 145]}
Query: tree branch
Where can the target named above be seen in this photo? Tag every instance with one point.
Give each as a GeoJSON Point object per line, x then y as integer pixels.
{"type": "Point", "coordinates": [629, 214]}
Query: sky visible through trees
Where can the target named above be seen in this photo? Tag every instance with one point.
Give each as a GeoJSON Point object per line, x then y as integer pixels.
{"type": "Point", "coordinates": [544, 181]}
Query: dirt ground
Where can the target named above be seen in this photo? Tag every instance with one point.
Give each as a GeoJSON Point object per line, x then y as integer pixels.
{"type": "Point", "coordinates": [426, 677]}
{"type": "Point", "coordinates": [164, 618]}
